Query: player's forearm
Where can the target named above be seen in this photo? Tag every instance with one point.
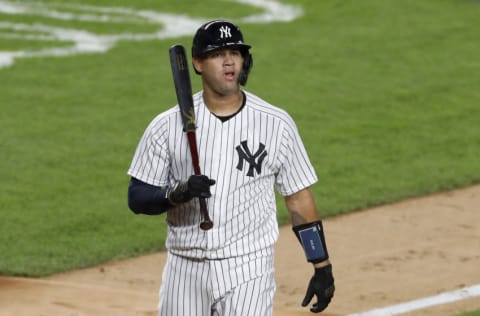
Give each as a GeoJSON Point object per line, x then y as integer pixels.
{"type": "Point", "coordinates": [301, 207]}
{"type": "Point", "coordinates": [306, 222]}
{"type": "Point", "coordinates": [144, 198]}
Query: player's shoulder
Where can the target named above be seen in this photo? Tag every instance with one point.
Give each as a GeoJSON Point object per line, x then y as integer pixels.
{"type": "Point", "coordinates": [257, 103]}
{"type": "Point", "coordinates": [163, 118]}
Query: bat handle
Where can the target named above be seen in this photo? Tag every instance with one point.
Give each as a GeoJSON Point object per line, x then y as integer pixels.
{"type": "Point", "coordinates": [207, 223]}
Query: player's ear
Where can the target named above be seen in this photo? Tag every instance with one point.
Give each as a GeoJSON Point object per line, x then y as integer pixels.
{"type": "Point", "coordinates": [197, 65]}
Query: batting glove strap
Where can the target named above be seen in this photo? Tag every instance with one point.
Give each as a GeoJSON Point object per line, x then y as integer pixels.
{"type": "Point", "coordinates": [178, 193]}
{"type": "Point", "coordinates": [312, 239]}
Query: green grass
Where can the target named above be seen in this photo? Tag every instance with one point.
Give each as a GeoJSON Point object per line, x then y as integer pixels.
{"type": "Point", "coordinates": [472, 313]}
{"type": "Point", "coordinates": [384, 93]}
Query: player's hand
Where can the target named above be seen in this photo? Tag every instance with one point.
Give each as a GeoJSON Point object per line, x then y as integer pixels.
{"type": "Point", "coordinates": [195, 186]}
{"type": "Point", "coordinates": [322, 286]}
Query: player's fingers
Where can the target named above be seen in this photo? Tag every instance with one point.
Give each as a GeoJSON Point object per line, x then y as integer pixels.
{"type": "Point", "coordinates": [205, 194]}
{"type": "Point", "coordinates": [202, 181]}
{"type": "Point", "coordinates": [200, 185]}
{"type": "Point", "coordinates": [308, 297]}
{"type": "Point", "coordinates": [319, 306]}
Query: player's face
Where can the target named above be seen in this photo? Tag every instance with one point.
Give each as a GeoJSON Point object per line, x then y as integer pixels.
{"type": "Point", "coordinates": [220, 70]}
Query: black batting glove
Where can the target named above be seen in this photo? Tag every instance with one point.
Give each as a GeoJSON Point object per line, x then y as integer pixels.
{"type": "Point", "coordinates": [195, 186]}
{"type": "Point", "coordinates": [322, 286]}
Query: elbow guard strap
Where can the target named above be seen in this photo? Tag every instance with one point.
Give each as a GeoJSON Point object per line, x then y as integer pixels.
{"type": "Point", "coordinates": [312, 238]}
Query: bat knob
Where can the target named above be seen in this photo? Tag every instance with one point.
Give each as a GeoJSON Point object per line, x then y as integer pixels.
{"type": "Point", "coordinates": [207, 225]}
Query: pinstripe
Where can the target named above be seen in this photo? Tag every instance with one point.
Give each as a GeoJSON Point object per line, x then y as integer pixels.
{"type": "Point", "coordinates": [242, 286]}
{"type": "Point", "coordinates": [253, 297]}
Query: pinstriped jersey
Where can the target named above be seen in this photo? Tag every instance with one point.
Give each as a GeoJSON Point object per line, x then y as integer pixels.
{"type": "Point", "coordinates": [249, 155]}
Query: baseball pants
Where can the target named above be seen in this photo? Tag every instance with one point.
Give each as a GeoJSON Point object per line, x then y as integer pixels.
{"type": "Point", "coordinates": [240, 286]}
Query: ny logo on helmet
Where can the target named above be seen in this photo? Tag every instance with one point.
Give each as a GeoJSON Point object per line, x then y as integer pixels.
{"type": "Point", "coordinates": [225, 32]}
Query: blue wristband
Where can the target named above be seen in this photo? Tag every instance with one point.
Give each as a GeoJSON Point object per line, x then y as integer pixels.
{"type": "Point", "coordinates": [312, 238]}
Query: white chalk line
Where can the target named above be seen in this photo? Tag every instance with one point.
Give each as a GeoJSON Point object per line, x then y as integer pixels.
{"type": "Point", "coordinates": [78, 41]}
{"type": "Point", "coordinates": [444, 298]}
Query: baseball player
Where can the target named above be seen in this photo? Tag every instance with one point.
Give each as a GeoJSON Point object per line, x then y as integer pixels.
{"type": "Point", "coordinates": [247, 148]}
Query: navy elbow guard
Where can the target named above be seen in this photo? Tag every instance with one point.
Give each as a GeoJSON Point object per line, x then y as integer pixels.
{"type": "Point", "coordinates": [312, 238]}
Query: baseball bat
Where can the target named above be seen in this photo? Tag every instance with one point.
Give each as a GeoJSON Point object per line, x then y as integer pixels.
{"type": "Point", "coordinates": [183, 89]}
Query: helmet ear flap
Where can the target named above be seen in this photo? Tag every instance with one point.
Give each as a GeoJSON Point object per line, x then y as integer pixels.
{"type": "Point", "coordinates": [246, 67]}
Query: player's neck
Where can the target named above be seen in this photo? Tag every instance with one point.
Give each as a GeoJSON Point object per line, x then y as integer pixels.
{"type": "Point", "coordinates": [223, 105]}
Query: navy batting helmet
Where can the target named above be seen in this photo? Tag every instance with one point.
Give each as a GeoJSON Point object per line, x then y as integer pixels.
{"type": "Point", "coordinates": [219, 34]}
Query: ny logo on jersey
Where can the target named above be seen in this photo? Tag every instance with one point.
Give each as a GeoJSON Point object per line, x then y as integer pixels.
{"type": "Point", "coordinates": [254, 160]}
{"type": "Point", "coordinates": [225, 32]}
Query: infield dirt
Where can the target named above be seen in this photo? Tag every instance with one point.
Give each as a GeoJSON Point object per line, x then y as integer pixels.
{"type": "Point", "coordinates": [381, 256]}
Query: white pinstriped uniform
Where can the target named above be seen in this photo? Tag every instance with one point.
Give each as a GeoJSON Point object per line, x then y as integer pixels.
{"type": "Point", "coordinates": [248, 155]}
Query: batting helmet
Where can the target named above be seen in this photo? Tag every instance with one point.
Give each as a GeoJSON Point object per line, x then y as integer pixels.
{"type": "Point", "coordinates": [219, 34]}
